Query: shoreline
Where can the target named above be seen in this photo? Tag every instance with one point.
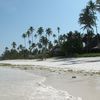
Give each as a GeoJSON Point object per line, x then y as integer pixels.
{"type": "Point", "coordinates": [78, 65]}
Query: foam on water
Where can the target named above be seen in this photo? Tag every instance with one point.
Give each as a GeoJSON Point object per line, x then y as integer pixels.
{"type": "Point", "coordinates": [20, 85]}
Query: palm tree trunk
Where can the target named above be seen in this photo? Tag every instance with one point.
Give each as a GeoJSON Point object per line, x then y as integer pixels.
{"type": "Point", "coordinates": [25, 43]}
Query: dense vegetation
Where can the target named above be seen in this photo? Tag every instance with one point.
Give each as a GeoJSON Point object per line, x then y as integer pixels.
{"type": "Point", "coordinates": [44, 43]}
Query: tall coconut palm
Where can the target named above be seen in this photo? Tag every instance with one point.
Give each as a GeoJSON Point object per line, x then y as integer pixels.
{"type": "Point", "coordinates": [6, 48]}
{"type": "Point", "coordinates": [54, 36]}
{"type": "Point", "coordinates": [98, 5]}
{"type": "Point", "coordinates": [87, 19]}
{"type": "Point", "coordinates": [48, 33]}
{"type": "Point", "coordinates": [35, 36]}
{"type": "Point", "coordinates": [32, 46]}
{"type": "Point", "coordinates": [20, 47]}
{"type": "Point", "coordinates": [61, 39]}
{"type": "Point", "coordinates": [64, 37]}
{"type": "Point", "coordinates": [92, 8]}
{"type": "Point", "coordinates": [40, 31]}
{"type": "Point", "coordinates": [50, 46]}
{"type": "Point", "coordinates": [58, 29]}
{"type": "Point", "coordinates": [40, 47]}
{"type": "Point", "coordinates": [55, 42]}
{"type": "Point", "coordinates": [28, 35]}
{"type": "Point", "coordinates": [14, 45]}
{"type": "Point", "coordinates": [44, 42]}
{"type": "Point", "coordinates": [24, 37]}
{"type": "Point", "coordinates": [31, 29]}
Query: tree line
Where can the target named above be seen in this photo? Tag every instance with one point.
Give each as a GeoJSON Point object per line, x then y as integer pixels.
{"type": "Point", "coordinates": [44, 43]}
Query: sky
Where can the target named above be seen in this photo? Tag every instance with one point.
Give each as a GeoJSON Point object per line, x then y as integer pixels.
{"type": "Point", "coordinates": [16, 16]}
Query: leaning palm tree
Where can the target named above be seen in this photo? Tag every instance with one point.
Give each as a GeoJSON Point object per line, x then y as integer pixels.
{"type": "Point", "coordinates": [24, 37]}
{"type": "Point", "coordinates": [87, 19]}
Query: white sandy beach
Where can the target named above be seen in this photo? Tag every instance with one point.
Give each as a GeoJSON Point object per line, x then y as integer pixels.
{"type": "Point", "coordinates": [57, 85]}
{"type": "Point", "coordinates": [19, 85]}
{"type": "Point", "coordinates": [89, 64]}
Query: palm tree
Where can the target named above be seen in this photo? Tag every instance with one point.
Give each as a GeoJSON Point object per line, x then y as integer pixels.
{"type": "Point", "coordinates": [20, 47]}
{"type": "Point", "coordinates": [13, 45]}
{"type": "Point", "coordinates": [61, 39]}
{"type": "Point", "coordinates": [35, 35]}
{"type": "Point", "coordinates": [54, 36]}
{"type": "Point", "coordinates": [98, 5]}
{"type": "Point", "coordinates": [44, 42]}
{"type": "Point", "coordinates": [87, 19]}
{"type": "Point", "coordinates": [28, 34]}
{"type": "Point", "coordinates": [50, 46]}
{"type": "Point", "coordinates": [6, 48]}
{"type": "Point", "coordinates": [24, 37]}
{"type": "Point", "coordinates": [33, 46]}
{"type": "Point", "coordinates": [40, 47]}
{"type": "Point", "coordinates": [64, 37]}
{"type": "Point", "coordinates": [55, 42]}
{"type": "Point", "coordinates": [58, 29]}
{"type": "Point", "coordinates": [92, 7]}
{"type": "Point", "coordinates": [40, 31]}
{"type": "Point", "coordinates": [31, 29]}
{"type": "Point", "coordinates": [49, 32]}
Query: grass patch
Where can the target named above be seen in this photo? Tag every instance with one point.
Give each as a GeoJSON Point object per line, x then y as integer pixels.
{"type": "Point", "coordinates": [3, 64]}
{"type": "Point", "coordinates": [89, 55]}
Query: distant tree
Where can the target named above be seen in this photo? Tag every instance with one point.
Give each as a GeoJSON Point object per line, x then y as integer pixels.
{"type": "Point", "coordinates": [6, 48]}
{"type": "Point", "coordinates": [54, 36]}
{"type": "Point", "coordinates": [64, 37]}
{"type": "Point", "coordinates": [55, 42]}
{"type": "Point", "coordinates": [61, 39]}
{"type": "Point", "coordinates": [58, 29]}
{"type": "Point", "coordinates": [40, 47]}
{"type": "Point", "coordinates": [33, 46]}
{"type": "Point", "coordinates": [24, 37]}
{"type": "Point", "coordinates": [98, 5]}
{"type": "Point", "coordinates": [40, 31]}
{"type": "Point", "coordinates": [14, 45]}
{"type": "Point", "coordinates": [20, 47]}
{"type": "Point", "coordinates": [28, 34]}
{"type": "Point", "coordinates": [31, 30]}
{"type": "Point", "coordinates": [48, 32]}
{"type": "Point", "coordinates": [35, 35]}
{"type": "Point", "coordinates": [44, 42]}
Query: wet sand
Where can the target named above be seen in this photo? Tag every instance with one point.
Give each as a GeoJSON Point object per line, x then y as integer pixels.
{"type": "Point", "coordinates": [16, 84]}
{"type": "Point", "coordinates": [85, 85]}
